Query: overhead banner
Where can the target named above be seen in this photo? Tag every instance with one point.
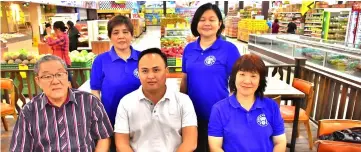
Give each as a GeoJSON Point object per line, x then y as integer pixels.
{"type": "Point", "coordinates": [307, 5]}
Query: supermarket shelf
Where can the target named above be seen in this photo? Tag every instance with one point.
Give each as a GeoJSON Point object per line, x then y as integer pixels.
{"type": "Point", "coordinates": [307, 30]}
{"type": "Point", "coordinates": [290, 12]}
{"type": "Point", "coordinates": [307, 34]}
{"type": "Point", "coordinates": [314, 22]}
{"type": "Point", "coordinates": [316, 13]}
{"type": "Point", "coordinates": [313, 26]}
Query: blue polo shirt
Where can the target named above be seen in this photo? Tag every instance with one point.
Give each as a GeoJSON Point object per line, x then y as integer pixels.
{"type": "Point", "coordinates": [115, 78]}
{"type": "Point", "coordinates": [208, 72]}
{"type": "Point", "coordinates": [244, 130]}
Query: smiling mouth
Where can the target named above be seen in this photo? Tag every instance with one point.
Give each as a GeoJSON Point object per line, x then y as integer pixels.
{"type": "Point", "coordinates": [151, 83]}
{"type": "Point", "coordinates": [56, 89]}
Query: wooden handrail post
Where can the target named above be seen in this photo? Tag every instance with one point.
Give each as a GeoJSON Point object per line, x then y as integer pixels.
{"type": "Point", "coordinates": [299, 61]}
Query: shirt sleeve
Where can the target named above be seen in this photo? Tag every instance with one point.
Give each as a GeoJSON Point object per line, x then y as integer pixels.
{"type": "Point", "coordinates": [101, 127]}
{"type": "Point", "coordinates": [215, 126]}
{"type": "Point", "coordinates": [96, 75]}
{"type": "Point", "coordinates": [22, 139]}
{"type": "Point", "coordinates": [58, 41]}
{"type": "Point", "coordinates": [233, 56]}
{"type": "Point", "coordinates": [278, 124]}
{"type": "Point", "coordinates": [189, 117]}
{"type": "Point", "coordinates": [121, 119]}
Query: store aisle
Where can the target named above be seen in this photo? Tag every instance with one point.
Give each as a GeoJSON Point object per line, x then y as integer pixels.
{"type": "Point", "coordinates": [149, 39]}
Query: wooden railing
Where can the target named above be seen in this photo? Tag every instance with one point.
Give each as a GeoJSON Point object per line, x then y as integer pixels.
{"type": "Point", "coordinates": [334, 98]}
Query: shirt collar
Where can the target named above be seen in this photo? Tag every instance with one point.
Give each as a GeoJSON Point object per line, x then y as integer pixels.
{"type": "Point", "coordinates": [235, 104]}
{"type": "Point", "coordinates": [70, 98]}
{"type": "Point", "coordinates": [114, 56]}
{"type": "Point", "coordinates": [214, 46]}
{"type": "Point", "coordinates": [167, 95]}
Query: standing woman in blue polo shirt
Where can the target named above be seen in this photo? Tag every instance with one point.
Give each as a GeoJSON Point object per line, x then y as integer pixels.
{"type": "Point", "coordinates": [247, 121]}
{"type": "Point", "coordinates": [114, 73]}
{"type": "Point", "coordinates": [207, 65]}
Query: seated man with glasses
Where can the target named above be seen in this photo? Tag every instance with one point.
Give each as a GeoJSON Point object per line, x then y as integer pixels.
{"type": "Point", "coordinates": [60, 118]}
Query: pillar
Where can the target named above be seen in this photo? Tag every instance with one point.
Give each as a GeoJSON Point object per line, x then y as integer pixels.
{"type": "Point", "coordinates": [35, 18]}
{"type": "Point", "coordinates": [265, 7]}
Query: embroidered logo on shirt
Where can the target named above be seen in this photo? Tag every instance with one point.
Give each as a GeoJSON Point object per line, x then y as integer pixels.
{"type": "Point", "coordinates": [210, 60]}
{"type": "Point", "coordinates": [262, 120]}
{"type": "Point", "coordinates": [135, 73]}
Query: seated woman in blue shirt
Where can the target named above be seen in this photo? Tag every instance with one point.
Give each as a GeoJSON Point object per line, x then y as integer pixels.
{"type": "Point", "coordinates": [247, 121]}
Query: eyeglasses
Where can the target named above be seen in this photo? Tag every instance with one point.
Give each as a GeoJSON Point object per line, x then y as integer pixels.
{"type": "Point", "coordinates": [59, 76]}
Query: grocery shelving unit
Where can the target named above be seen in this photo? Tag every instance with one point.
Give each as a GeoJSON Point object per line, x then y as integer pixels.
{"type": "Point", "coordinates": [286, 17]}
{"type": "Point", "coordinates": [313, 23]}
{"type": "Point", "coordinates": [335, 24]}
{"type": "Point", "coordinates": [172, 44]}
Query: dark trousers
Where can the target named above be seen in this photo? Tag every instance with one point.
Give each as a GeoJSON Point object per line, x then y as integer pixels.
{"type": "Point", "coordinates": [112, 144]}
{"type": "Point", "coordinates": [202, 136]}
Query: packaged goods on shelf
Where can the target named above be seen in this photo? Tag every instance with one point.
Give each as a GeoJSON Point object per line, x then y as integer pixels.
{"type": "Point", "coordinates": [322, 5]}
{"type": "Point", "coordinates": [138, 26]}
{"type": "Point", "coordinates": [336, 24]}
{"type": "Point", "coordinates": [231, 25]}
{"type": "Point", "coordinates": [313, 23]}
{"type": "Point", "coordinates": [171, 19]}
{"type": "Point", "coordinates": [291, 8]}
{"type": "Point", "coordinates": [251, 26]}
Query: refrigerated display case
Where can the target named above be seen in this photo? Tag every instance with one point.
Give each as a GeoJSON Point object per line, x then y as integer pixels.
{"type": "Point", "coordinates": [330, 56]}
{"type": "Point", "coordinates": [98, 30]}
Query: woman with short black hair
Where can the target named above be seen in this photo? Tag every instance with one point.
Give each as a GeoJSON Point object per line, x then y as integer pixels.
{"type": "Point", "coordinates": [73, 36]}
{"type": "Point", "coordinates": [247, 121]}
{"type": "Point", "coordinates": [207, 65]}
{"type": "Point", "coordinates": [114, 73]}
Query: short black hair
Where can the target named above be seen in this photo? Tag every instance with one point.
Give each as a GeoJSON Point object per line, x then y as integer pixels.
{"type": "Point", "coordinates": [276, 21]}
{"type": "Point", "coordinates": [118, 20]}
{"type": "Point", "coordinates": [47, 25]}
{"type": "Point", "coordinates": [294, 18]}
{"type": "Point", "coordinates": [70, 23]}
{"type": "Point", "coordinates": [198, 14]}
{"type": "Point", "coordinates": [155, 51]}
{"type": "Point", "coordinates": [249, 63]}
{"type": "Point", "coordinates": [60, 25]}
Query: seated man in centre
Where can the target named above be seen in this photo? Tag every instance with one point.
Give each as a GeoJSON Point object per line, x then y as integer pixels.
{"type": "Point", "coordinates": [155, 118]}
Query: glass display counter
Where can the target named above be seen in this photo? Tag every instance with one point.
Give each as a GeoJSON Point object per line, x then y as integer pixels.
{"type": "Point", "coordinates": [330, 56]}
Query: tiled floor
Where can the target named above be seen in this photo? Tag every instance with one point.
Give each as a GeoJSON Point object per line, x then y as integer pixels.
{"type": "Point", "coordinates": [152, 39]}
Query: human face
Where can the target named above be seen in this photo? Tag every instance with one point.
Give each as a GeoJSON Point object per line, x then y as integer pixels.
{"type": "Point", "coordinates": [54, 88]}
{"type": "Point", "coordinates": [247, 83]}
{"type": "Point", "coordinates": [208, 24]}
{"type": "Point", "coordinates": [121, 37]}
{"type": "Point", "coordinates": [152, 72]}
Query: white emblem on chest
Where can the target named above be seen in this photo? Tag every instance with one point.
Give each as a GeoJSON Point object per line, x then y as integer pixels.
{"type": "Point", "coordinates": [135, 73]}
{"type": "Point", "coordinates": [262, 120]}
{"type": "Point", "coordinates": [210, 60]}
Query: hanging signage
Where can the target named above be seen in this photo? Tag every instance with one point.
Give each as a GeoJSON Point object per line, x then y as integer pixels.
{"type": "Point", "coordinates": [307, 5]}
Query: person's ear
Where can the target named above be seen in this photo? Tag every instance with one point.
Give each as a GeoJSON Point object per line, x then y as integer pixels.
{"type": "Point", "coordinates": [37, 81]}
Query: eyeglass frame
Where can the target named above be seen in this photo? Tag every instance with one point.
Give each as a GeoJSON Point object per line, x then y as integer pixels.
{"type": "Point", "coordinates": [52, 75]}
